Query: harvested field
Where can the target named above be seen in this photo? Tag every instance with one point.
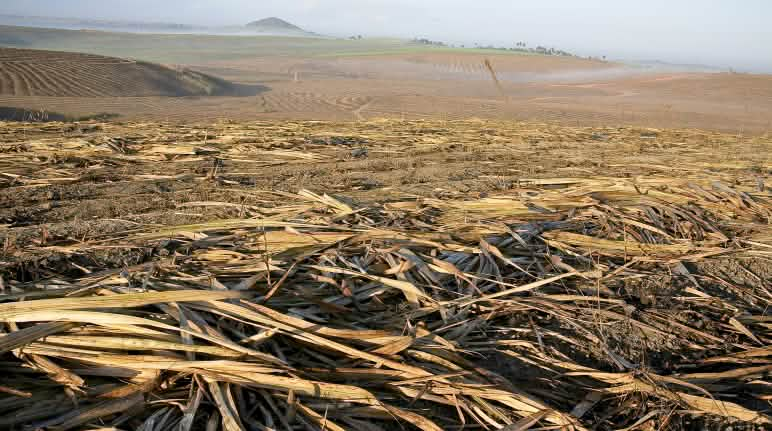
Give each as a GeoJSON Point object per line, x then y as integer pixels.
{"type": "Point", "coordinates": [614, 103]}
{"type": "Point", "coordinates": [342, 80]}
{"type": "Point", "coordinates": [27, 72]}
{"type": "Point", "coordinates": [431, 275]}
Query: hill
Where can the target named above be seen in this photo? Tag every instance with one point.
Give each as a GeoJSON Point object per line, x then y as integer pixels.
{"type": "Point", "coordinates": [276, 26]}
{"type": "Point", "coordinates": [195, 48]}
{"type": "Point", "coordinates": [28, 72]}
{"type": "Point", "coordinates": [97, 24]}
{"type": "Point", "coordinates": [199, 49]}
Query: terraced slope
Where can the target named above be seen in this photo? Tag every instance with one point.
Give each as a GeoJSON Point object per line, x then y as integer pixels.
{"type": "Point", "coordinates": [27, 72]}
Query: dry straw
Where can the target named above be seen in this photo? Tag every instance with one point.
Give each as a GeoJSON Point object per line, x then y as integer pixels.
{"type": "Point", "coordinates": [564, 303]}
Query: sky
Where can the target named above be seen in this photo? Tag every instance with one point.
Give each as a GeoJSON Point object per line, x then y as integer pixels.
{"type": "Point", "coordinates": [723, 33]}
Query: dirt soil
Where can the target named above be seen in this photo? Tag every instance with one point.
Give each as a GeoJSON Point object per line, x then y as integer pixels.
{"type": "Point", "coordinates": [37, 73]}
{"type": "Point", "coordinates": [568, 91]}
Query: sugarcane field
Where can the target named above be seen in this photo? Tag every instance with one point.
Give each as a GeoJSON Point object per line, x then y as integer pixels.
{"type": "Point", "coordinates": [383, 275]}
{"type": "Point", "coordinates": [385, 215]}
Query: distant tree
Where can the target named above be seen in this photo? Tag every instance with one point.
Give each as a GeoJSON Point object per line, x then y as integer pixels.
{"type": "Point", "coordinates": [424, 41]}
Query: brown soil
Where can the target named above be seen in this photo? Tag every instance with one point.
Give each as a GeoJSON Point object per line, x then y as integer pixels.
{"type": "Point", "coordinates": [725, 102]}
{"type": "Point", "coordinates": [34, 73]}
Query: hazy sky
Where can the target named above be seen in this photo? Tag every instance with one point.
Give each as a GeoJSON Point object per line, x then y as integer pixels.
{"type": "Point", "coordinates": [726, 33]}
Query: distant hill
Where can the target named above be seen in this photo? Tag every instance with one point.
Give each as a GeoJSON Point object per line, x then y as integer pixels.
{"type": "Point", "coordinates": [268, 26]}
{"type": "Point", "coordinates": [29, 72]}
{"type": "Point", "coordinates": [96, 24]}
{"type": "Point", "coordinates": [275, 25]}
